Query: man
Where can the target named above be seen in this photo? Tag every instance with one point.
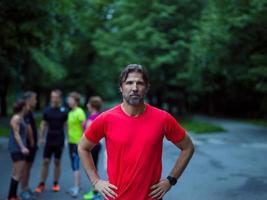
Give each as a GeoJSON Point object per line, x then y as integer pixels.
{"type": "Point", "coordinates": [76, 117]}
{"type": "Point", "coordinates": [134, 133]}
{"type": "Point", "coordinates": [53, 124]}
{"type": "Point", "coordinates": [30, 100]}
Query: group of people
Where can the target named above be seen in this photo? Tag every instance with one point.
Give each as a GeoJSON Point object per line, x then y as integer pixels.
{"type": "Point", "coordinates": [57, 120]}
{"type": "Point", "coordinates": [133, 131]}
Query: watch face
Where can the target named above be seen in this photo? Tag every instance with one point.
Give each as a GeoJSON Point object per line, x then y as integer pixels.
{"type": "Point", "coordinates": [172, 180]}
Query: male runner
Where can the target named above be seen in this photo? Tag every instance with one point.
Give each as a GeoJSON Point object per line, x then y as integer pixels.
{"type": "Point", "coordinates": [30, 99]}
{"type": "Point", "coordinates": [134, 132]}
{"type": "Point", "coordinates": [53, 123]}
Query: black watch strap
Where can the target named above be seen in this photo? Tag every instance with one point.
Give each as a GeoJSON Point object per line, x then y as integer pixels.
{"type": "Point", "coordinates": [172, 180]}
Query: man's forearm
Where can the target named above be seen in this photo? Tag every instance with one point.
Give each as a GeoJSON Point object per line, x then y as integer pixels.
{"type": "Point", "coordinates": [43, 129]}
{"type": "Point", "coordinates": [88, 163]}
{"type": "Point", "coordinates": [30, 136]}
{"type": "Point", "coordinates": [182, 162]}
{"type": "Point", "coordinates": [18, 140]}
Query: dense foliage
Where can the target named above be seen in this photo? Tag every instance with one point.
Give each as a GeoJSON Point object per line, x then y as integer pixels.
{"type": "Point", "coordinates": [202, 55]}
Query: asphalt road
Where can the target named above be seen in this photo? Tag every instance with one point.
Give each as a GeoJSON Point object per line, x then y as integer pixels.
{"type": "Point", "coordinates": [230, 165]}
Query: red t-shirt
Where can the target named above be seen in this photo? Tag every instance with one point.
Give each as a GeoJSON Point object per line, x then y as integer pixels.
{"type": "Point", "coordinates": [134, 148]}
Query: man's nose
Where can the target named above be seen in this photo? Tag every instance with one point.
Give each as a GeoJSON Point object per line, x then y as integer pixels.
{"type": "Point", "coordinates": [134, 88]}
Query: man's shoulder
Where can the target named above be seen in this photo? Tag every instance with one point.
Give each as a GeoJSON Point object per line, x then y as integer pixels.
{"type": "Point", "coordinates": [110, 112]}
{"type": "Point", "coordinates": [156, 110]}
{"type": "Point", "coordinates": [79, 110]}
{"type": "Point", "coordinates": [47, 109]}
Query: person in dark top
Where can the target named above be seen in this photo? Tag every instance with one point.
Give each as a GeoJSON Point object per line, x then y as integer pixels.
{"type": "Point", "coordinates": [30, 100]}
{"type": "Point", "coordinates": [53, 124]}
{"type": "Point", "coordinates": [17, 146]}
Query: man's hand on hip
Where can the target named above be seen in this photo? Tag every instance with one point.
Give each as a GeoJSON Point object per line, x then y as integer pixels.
{"type": "Point", "coordinates": [106, 189]}
{"type": "Point", "coordinates": [160, 189]}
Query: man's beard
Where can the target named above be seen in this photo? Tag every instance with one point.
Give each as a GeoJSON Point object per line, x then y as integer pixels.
{"type": "Point", "coordinates": [134, 100]}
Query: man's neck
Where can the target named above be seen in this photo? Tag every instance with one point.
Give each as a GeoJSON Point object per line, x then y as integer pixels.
{"type": "Point", "coordinates": [133, 110]}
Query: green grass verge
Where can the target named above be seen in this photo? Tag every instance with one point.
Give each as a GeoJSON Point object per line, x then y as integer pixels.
{"type": "Point", "coordinates": [192, 125]}
{"type": "Point", "coordinates": [259, 122]}
{"type": "Point", "coordinates": [200, 127]}
{"type": "Point", "coordinates": [4, 130]}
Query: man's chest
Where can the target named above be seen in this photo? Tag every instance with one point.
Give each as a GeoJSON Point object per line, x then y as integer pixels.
{"type": "Point", "coordinates": [55, 118]}
{"type": "Point", "coordinates": [134, 132]}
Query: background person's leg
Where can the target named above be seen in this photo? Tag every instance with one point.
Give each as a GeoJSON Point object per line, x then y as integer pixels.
{"type": "Point", "coordinates": [57, 150]}
{"type": "Point", "coordinates": [15, 178]}
{"type": "Point", "coordinates": [45, 169]}
{"type": "Point", "coordinates": [57, 170]}
{"type": "Point", "coordinates": [26, 176]}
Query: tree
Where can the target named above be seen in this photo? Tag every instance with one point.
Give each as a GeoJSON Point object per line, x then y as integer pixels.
{"type": "Point", "coordinates": [154, 34]}
{"type": "Point", "coordinates": [227, 54]}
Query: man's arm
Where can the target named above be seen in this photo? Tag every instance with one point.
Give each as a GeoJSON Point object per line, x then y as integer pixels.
{"type": "Point", "coordinates": [30, 135]}
{"type": "Point", "coordinates": [15, 124]}
{"type": "Point", "coordinates": [187, 149]}
{"type": "Point", "coordinates": [104, 187]}
{"type": "Point", "coordinates": [43, 129]}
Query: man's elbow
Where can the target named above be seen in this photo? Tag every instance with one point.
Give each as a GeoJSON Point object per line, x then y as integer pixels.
{"type": "Point", "coordinates": [80, 148]}
{"type": "Point", "coordinates": [189, 147]}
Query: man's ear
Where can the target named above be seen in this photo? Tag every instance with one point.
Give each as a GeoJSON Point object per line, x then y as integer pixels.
{"type": "Point", "coordinates": [120, 89]}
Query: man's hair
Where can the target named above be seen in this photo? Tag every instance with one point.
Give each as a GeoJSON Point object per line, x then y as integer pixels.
{"type": "Point", "coordinates": [134, 68]}
{"type": "Point", "coordinates": [96, 102]}
{"type": "Point", "coordinates": [18, 106]}
{"type": "Point", "coordinates": [58, 91]}
{"type": "Point", "coordinates": [29, 94]}
{"type": "Point", "coordinates": [76, 96]}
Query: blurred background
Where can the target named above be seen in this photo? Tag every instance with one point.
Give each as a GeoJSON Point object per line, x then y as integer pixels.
{"type": "Point", "coordinates": [202, 56]}
{"type": "Point", "coordinates": [207, 62]}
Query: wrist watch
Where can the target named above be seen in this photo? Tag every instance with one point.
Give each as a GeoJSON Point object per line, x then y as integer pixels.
{"type": "Point", "coordinates": [172, 180]}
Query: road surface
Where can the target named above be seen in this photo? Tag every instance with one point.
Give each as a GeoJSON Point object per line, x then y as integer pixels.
{"type": "Point", "coordinates": [229, 165]}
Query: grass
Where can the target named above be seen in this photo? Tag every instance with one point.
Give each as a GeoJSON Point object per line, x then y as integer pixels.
{"type": "Point", "coordinates": [4, 130]}
{"type": "Point", "coordinates": [259, 122]}
{"type": "Point", "coordinates": [200, 127]}
{"type": "Point", "coordinates": [192, 125]}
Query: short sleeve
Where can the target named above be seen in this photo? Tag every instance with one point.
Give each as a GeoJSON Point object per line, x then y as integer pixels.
{"type": "Point", "coordinates": [81, 116]}
{"type": "Point", "coordinates": [172, 129]}
{"type": "Point", "coordinates": [96, 131]}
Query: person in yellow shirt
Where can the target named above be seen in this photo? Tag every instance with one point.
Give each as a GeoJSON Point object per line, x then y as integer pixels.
{"type": "Point", "coordinates": [76, 117]}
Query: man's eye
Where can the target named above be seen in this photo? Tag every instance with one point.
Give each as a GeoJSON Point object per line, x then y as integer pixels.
{"type": "Point", "coordinates": [129, 82]}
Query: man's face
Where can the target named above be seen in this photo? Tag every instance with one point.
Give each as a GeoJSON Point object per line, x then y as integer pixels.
{"type": "Point", "coordinates": [55, 99]}
{"type": "Point", "coordinates": [134, 89]}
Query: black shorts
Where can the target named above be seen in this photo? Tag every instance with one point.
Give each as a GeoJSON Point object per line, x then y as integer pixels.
{"type": "Point", "coordinates": [31, 156]}
{"type": "Point", "coordinates": [55, 150]}
{"type": "Point", "coordinates": [17, 156]}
